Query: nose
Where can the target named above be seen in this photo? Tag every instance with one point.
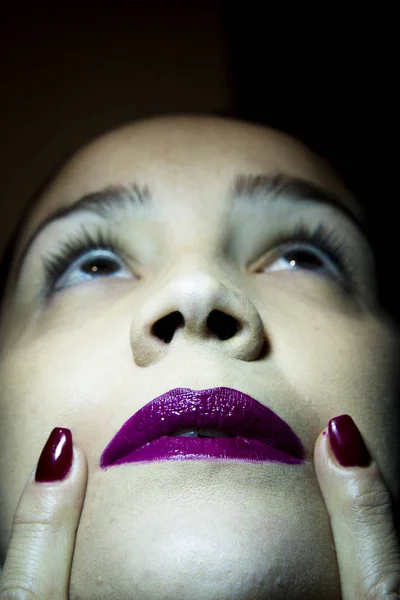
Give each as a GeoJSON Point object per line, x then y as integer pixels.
{"type": "Point", "coordinates": [195, 308]}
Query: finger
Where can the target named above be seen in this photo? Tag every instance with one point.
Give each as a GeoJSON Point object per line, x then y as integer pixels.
{"type": "Point", "coordinates": [361, 514]}
{"type": "Point", "coordinates": [39, 556]}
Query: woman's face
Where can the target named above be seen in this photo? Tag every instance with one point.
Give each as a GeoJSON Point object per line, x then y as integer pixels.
{"type": "Point", "coordinates": [311, 345]}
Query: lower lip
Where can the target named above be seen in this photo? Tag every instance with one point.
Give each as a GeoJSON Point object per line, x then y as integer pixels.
{"type": "Point", "coordinates": [195, 448]}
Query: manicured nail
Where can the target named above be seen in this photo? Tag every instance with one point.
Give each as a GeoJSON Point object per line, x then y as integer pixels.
{"type": "Point", "coordinates": [56, 458]}
{"type": "Point", "coordinates": [347, 443]}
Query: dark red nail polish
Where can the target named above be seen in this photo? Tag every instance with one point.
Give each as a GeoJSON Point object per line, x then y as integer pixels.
{"type": "Point", "coordinates": [56, 458]}
{"type": "Point", "coordinates": [347, 443]}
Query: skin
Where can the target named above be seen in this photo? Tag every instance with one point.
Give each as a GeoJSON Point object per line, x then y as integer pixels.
{"type": "Point", "coordinates": [87, 360]}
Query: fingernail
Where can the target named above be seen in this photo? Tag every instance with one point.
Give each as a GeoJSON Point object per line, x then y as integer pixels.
{"type": "Point", "coordinates": [347, 443]}
{"type": "Point", "coordinates": [56, 458]}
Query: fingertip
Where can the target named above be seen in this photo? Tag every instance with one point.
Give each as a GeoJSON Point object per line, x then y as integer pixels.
{"type": "Point", "coordinates": [321, 441]}
{"type": "Point", "coordinates": [79, 463]}
{"type": "Point", "coordinates": [56, 458]}
{"type": "Point", "coordinates": [78, 473]}
{"type": "Point", "coordinates": [346, 443]}
{"type": "Point", "coordinates": [61, 462]}
{"type": "Point", "coordinates": [322, 452]}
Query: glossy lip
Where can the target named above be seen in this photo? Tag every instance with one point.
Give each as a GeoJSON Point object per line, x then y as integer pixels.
{"type": "Point", "coordinates": [257, 433]}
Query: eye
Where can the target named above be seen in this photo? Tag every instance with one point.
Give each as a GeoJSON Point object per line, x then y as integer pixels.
{"type": "Point", "coordinates": [99, 263]}
{"type": "Point", "coordinates": [84, 257]}
{"type": "Point", "coordinates": [316, 249]}
{"type": "Point", "coordinates": [303, 258]}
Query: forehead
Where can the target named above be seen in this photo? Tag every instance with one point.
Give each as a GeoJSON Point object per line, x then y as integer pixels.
{"type": "Point", "coordinates": [184, 158]}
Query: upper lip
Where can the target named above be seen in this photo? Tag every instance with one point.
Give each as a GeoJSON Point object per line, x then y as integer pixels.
{"type": "Point", "coordinates": [218, 408]}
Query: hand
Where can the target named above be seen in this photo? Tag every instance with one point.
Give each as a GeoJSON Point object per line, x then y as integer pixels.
{"type": "Point", "coordinates": [39, 555]}
{"type": "Point", "coordinates": [362, 520]}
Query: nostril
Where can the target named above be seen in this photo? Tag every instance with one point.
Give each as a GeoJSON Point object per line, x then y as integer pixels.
{"type": "Point", "coordinates": [165, 328]}
{"type": "Point", "coordinates": [223, 325]}
{"type": "Point", "coordinates": [219, 323]}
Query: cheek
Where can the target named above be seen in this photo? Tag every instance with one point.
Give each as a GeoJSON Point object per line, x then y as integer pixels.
{"type": "Point", "coordinates": [44, 385]}
{"type": "Point", "coordinates": [327, 355]}
{"type": "Point", "coordinates": [340, 365]}
{"type": "Point", "coordinates": [58, 380]}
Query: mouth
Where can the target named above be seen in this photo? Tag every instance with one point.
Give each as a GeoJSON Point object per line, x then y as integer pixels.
{"type": "Point", "coordinates": [217, 423]}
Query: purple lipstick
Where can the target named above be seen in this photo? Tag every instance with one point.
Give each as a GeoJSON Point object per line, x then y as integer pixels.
{"type": "Point", "coordinates": [164, 429]}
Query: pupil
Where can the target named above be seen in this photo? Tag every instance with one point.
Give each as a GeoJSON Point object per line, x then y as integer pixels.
{"type": "Point", "coordinates": [302, 256]}
{"type": "Point", "coordinates": [98, 266]}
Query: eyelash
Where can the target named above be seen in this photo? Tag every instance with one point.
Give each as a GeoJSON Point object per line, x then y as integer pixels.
{"type": "Point", "coordinates": [326, 240]}
{"type": "Point", "coordinates": [73, 248]}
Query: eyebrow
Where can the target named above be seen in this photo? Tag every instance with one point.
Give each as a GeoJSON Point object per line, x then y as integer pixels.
{"type": "Point", "coordinates": [250, 189]}
{"type": "Point", "coordinates": [246, 189]}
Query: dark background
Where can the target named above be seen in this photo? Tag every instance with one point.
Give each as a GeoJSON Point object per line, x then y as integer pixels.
{"type": "Point", "coordinates": [327, 76]}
